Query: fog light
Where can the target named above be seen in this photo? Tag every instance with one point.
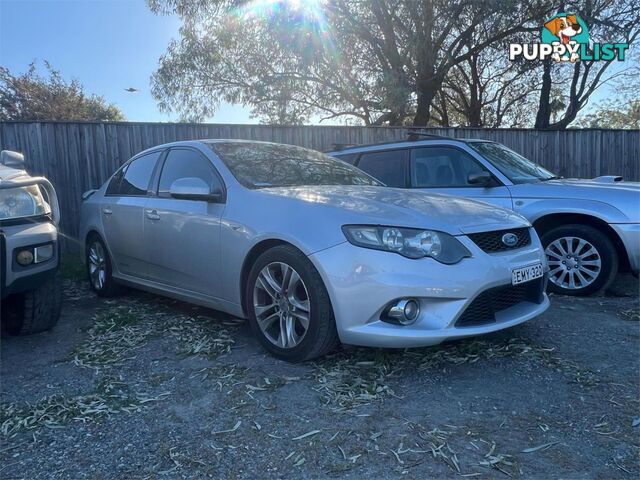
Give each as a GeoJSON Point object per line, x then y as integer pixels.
{"type": "Point", "coordinates": [405, 311]}
{"type": "Point", "coordinates": [43, 253]}
{"type": "Point", "coordinates": [411, 310]}
{"type": "Point", "coordinates": [24, 257]}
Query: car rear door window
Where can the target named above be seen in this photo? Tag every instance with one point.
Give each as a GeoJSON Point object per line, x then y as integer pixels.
{"type": "Point", "coordinates": [184, 163]}
{"type": "Point", "coordinates": [442, 167]}
{"type": "Point", "coordinates": [137, 175]}
{"type": "Point", "coordinates": [389, 167]}
{"type": "Point", "coordinates": [114, 184]}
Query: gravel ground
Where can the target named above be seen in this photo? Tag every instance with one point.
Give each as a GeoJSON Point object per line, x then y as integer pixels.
{"type": "Point", "coordinates": [144, 387]}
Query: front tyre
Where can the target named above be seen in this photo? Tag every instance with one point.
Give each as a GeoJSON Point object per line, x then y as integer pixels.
{"type": "Point", "coordinates": [288, 306]}
{"type": "Point", "coordinates": [36, 310]}
{"type": "Point", "coordinates": [582, 259]}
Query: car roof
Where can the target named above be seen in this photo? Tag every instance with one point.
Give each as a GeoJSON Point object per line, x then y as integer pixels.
{"type": "Point", "coordinates": [191, 143]}
{"type": "Point", "coordinates": [403, 144]}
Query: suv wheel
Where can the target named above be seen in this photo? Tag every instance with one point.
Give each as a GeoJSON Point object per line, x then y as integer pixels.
{"type": "Point", "coordinates": [35, 311]}
{"type": "Point", "coordinates": [288, 306]}
{"type": "Point", "coordinates": [582, 259]}
{"type": "Point", "coordinates": [99, 268]}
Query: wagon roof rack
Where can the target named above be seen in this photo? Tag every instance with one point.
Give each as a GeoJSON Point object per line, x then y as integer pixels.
{"type": "Point", "coordinates": [341, 146]}
{"type": "Point", "coordinates": [413, 135]}
{"type": "Point", "coordinates": [417, 134]}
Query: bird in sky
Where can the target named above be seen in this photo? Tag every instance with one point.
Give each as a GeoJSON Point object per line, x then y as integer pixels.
{"type": "Point", "coordinates": [131, 90]}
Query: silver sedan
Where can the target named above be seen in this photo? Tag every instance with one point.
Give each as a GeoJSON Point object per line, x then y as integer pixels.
{"type": "Point", "coordinates": [312, 251]}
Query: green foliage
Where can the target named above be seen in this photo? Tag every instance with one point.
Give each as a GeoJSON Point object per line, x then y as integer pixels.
{"type": "Point", "coordinates": [31, 96]}
{"type": "Point", "coordinates": [614, 115]}
{"type": "Point", "coordinates": [379, 61]}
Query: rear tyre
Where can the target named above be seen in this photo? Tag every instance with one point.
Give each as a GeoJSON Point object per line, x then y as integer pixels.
{"type": "Point", "coordinates": [582, 260]}
{"type": "Point", "coordinates": [99, 268]}
{"type": "Point", "coordinates": [35, 311]}
{"type": "Point", "coordinates": [288, 306]}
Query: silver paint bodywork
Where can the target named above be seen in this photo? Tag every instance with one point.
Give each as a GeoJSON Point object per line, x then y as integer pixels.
{"type": "Point", "coordinates": [196, 251]}
{"type": "Point", "coordinates": [606, 198]}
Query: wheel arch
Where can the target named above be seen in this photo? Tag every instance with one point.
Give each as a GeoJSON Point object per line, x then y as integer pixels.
{"type": "Point", "coordinates": [251, 257]}
{"type": "Point", "coordinates": [547, 222]}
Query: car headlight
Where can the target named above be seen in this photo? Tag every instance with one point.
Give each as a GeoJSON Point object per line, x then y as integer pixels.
{"type": "Point", "coordinates": [22, 202]}
{"type": "Point", "coordinates": [409, 242]}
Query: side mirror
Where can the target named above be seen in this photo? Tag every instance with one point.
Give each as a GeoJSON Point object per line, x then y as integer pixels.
{"type": "Point", "coordinates": [12, 159]}
{"type": "Point", "coordinates": [483, 179]}
{"type": "Point", "coordinates": [194, 189]}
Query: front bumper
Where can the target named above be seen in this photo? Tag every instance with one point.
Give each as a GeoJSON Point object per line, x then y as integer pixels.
{"type": "Point", "coordinates": [15, 278]}
{"type": "Point", "coordinates": [362, 282]}
{"type": "Point", "coordinates": [629, 233]}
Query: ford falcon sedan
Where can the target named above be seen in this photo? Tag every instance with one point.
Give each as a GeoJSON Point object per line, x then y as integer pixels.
{"type": "Point", "coordinates": [311, 250]}
{"type": "Point", "coordinates": [590, 229]}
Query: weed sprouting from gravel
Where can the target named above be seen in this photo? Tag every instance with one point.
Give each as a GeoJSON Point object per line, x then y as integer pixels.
{"type": "Point", "coordinates": [110, 396]}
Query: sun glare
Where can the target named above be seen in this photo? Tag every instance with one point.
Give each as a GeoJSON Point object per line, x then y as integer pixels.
{"type": "Point", "coordinates": [300, 22]}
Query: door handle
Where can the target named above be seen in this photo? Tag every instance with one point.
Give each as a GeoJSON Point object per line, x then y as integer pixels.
{"type": "Point", "coordinates": [152, 214]}
{"type": "Point", "coordinates": [107, 210]}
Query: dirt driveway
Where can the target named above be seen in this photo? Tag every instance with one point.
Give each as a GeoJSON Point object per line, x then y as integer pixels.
{"type": "Point", "coordinates": [143, 387]}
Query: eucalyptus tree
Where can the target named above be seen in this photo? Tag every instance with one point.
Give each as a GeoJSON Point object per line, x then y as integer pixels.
{"type": "Point", "coordinates": [380, 61]}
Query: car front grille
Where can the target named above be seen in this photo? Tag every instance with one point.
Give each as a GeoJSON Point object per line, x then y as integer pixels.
{"type": "Point", "coordinates": [482, 310]}
{"type": "Point", "coordinates": [491, 242]}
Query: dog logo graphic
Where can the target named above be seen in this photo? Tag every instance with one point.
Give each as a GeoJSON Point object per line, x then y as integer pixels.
{"type": "Point", "coordinates": [566, 30]}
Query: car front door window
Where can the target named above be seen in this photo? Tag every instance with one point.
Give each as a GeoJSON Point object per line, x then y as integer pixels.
{"type": "Point", "coordinates": [436, 167]}
{"type": "Point", "coordinates": [182, 163]}
{"type": "Point", "coordinates": [443, 169]}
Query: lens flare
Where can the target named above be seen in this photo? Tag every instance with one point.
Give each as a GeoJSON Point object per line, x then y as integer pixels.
{"type": "Point", "coordinates": [300, 23]}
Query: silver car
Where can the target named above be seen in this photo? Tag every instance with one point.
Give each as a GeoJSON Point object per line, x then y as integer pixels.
{"type": "Point", "coordinates": [312, 251]}
{"type": "Point", "coordinates": [590, 229]}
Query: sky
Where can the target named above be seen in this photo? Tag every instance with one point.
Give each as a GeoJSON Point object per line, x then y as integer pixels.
{"type": "Point", "coordinates": [108, 45]}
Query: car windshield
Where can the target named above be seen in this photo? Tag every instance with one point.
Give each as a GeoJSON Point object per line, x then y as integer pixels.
{"type": "Point", "coordinates": [264, 165]}
{"type": "Point", "coordinates": [514, 166]}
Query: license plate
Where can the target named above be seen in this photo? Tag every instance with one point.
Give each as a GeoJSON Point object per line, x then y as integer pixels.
{"type": "Point", "coordinates": [526, 274]}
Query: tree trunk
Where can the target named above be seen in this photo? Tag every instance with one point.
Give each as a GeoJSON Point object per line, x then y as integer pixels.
{"type": "Point", "coordinates": [423, 111]}
{"type": "Point", "coordinates": [543, 117]}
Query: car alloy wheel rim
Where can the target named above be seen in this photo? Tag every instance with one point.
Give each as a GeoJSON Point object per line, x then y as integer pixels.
{"type": "Point", "coordinates": [281, 305]}
{"type": "Point", "coordinates": [574, 263]}
{"type": "Point", "coordinates": [97, 270]}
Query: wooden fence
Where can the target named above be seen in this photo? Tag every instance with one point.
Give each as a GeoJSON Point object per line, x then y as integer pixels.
{"type": "Point", "coordinates": [80, 156]}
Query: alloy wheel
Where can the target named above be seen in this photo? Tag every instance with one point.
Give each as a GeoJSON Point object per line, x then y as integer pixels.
{"type": "Point", "coordinates": [574, 263]}
{"type": "Point", "coordinates": [281, 305]}
{"type": "Point", "coordinates": [97, 265]}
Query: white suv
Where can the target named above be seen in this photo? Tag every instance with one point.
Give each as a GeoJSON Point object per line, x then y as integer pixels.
{"type": "Point", "coordinates": [30, 285]}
